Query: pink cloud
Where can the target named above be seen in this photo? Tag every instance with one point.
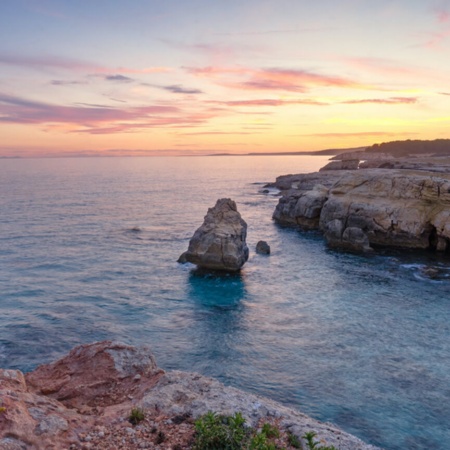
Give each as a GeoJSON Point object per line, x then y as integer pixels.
{"type": "Point", "coordinates": [436, 39]}
{"type": "Point", "coordinates": [270, 102]}
{"type": "Point", "coordinates": [395, 71]}
{"type": "Point", "coordinates": [291, 80]}
{"type": "Point", "coordinates": [206, 133]}
{"type": "Point", "coordinates": [443, 15]}
{"type": "Point", "coordinates": [384, 101]}
{"type": "Point", "coordinates": [96, 119]}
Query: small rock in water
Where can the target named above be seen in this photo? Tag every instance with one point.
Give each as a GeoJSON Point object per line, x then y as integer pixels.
{"type": "Point", "coordinates": [430, 272]}
{"type": "Point", "coordinates": [263, 248]}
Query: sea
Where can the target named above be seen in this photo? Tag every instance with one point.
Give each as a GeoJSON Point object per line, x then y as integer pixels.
{"type": "Point", "coordinates": [89, 249]}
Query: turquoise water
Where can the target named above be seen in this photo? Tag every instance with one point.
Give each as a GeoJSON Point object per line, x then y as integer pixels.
{"type": "Point", "coordinates": [88, 251]}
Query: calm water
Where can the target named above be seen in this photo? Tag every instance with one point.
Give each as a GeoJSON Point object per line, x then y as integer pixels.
{"type": "Point", "coordinates": [88, 251]}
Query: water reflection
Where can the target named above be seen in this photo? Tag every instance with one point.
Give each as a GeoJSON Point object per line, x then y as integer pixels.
{"type": "Point", "coordinates": [216, 289]}
{"type": "Point", "coordinates": [219, 313]}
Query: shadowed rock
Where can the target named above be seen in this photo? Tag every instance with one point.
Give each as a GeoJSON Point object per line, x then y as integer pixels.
{"type": "Point", "coordinates": [219, 244]}
{"type": "Point", "coordinates": [263, 248]}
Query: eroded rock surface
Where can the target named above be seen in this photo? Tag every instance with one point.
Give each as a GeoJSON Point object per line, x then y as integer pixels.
{"type": "Point", "coordinates": [396, 208]}
{"type": "Point", "coordinates": [83, 401]}
{"type": "Point", "coordinates": [220, 243]}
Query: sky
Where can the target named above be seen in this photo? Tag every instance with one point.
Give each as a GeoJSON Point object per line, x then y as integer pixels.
{"type": "Point", "coordinates": [190, 77]}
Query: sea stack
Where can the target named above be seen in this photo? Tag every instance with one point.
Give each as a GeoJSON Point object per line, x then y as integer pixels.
{"type": "Point", "coordinates": [219, 244]}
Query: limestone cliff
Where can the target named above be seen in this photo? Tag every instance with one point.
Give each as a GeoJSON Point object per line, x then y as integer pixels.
{"type": "Point", "coordinates": [358, 208]}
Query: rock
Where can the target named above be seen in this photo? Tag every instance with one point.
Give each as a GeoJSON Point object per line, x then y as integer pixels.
{"type": "Point", "coordinates": [345, 164]}
{"type": "Point", "coordinates": [263, 248]}
{"type": "Point", "coordinates": [385, 207]}
{"type": "Point", "coordinates": [81, 401]}
{"type": "Point", "coordinates": [351, 238]}
{"type": "Point", "coordinates": [190, 394]}
{"type": "Point", "coordinates": [219, 244]}
{"type": "Point", "coordinates": [302, 207]}
{"type": "Point", "coordinates": [88, 374]}
{"type": "Point", "coordinates": [361, 156]}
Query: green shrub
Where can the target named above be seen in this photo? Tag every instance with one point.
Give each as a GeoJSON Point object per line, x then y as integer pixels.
{"type": "Point", "coordinates": [216, 432]}
{"type": "Point", "coordinates": [136, 415]}
{"type": "Point", "coordinates": [294, 441]}
{"type": "Point", "coordinates": [270, 431]}
{"type": "Point", "coordinates": [309, 437]}
{"type": "Point", "coordinates": [259, 442]}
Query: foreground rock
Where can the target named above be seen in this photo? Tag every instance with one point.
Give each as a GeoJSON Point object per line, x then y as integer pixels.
{"type": "Point", "coordinates": [83, 401]}
{"type": "Point", "coordinates": [219, 244]}
{"type": "Point", "coordinates": [356, 209]}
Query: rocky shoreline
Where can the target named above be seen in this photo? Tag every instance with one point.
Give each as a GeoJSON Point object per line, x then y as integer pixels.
{"type": "Point", "coordinates": [83, 401]}
{"type": "Point", "coordinates": [401, 203]}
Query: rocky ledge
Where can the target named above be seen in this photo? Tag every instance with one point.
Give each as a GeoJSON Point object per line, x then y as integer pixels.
{"type": "Point", "coordinates": [84, 400]}
{"type": "Point", "coordinates": [356, 209]}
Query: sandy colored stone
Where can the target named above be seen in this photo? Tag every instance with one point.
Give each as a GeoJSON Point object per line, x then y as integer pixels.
{"type": "Point", "coordinates": [395, 208]}
{"type": "Point", "coordinates": [220, 242]}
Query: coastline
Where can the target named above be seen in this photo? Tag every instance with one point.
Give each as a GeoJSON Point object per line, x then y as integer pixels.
{"type": "Point", "coordinates": [76, 401]}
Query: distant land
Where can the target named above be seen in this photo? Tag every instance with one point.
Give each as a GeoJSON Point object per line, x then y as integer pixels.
{"type": "Point", "coordinates": [437, 147]}
{"type": "Point", "coordinates": [330, 151]}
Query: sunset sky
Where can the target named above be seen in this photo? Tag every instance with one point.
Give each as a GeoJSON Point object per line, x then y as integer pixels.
{"type": "Point", "coordinates": [146, 77]}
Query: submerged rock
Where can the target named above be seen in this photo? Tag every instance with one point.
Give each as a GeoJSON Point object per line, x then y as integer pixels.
{"type": "Point", "coordinates": [84, 401]}
{"type": "Point", "coordinates": [219, 244]}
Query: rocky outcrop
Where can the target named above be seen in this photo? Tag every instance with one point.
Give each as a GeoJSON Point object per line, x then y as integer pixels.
{"type": "Point", "coordinates": [397, 208]}
{"type": "Point", "coordinates": [345, 164]}
{"type": "Point", "coordinates": [302, 207]}
{"type": "Point", "coordinates": [263, 248]}
{"type": "Point", "coordinates": [219, 244]}
{"type": "Point", "coordinates": [83, 401]}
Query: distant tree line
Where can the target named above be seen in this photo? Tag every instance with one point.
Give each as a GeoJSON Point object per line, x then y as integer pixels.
{"type": "Point", "coordinates": [412, 147]}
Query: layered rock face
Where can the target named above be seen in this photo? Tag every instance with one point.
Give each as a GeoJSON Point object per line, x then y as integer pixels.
{"type": "Point", "coordinates": [83, 401]}
{"type": "Point", "coordinates": [398, 208]}
{"type": "Point", "coordinates": [220, 243]}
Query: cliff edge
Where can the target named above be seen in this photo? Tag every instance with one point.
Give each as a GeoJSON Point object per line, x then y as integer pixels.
{"type": "Point", "coordinates": [83, 401]}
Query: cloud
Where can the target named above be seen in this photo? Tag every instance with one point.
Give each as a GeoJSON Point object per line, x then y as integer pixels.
{"type": "Point", "coordinates": [384, 101]}
{"type": "Point", "coordinates": [94, 119]}
{"type": "Point", "coordinates": [444, 93]}
{"type": "Point", "coordinates": [119, 78]}
{"type": "Point", "coordinates": [270, 102]}
{"type": "Point", "coordinates": [391, 69]}
{"type": "Point", "coordinates": [177, 89]}
{"type": "Point", "coordinates": [201, 133]}
{"type": "Point", "coordinates": [435, 39]}
{"type": "Point", "coordinates": [442, 14]}
{"type": "Point", "coordinates": [44, 62]}
{"type": "Point", "coordinates": [272, 79]}
{"type": "Point", "coordinates": [66, 83]}
{"type": "Point", "coordinates": [270, 32]}
{"type": "Point", "coordinates": [313, 102]}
